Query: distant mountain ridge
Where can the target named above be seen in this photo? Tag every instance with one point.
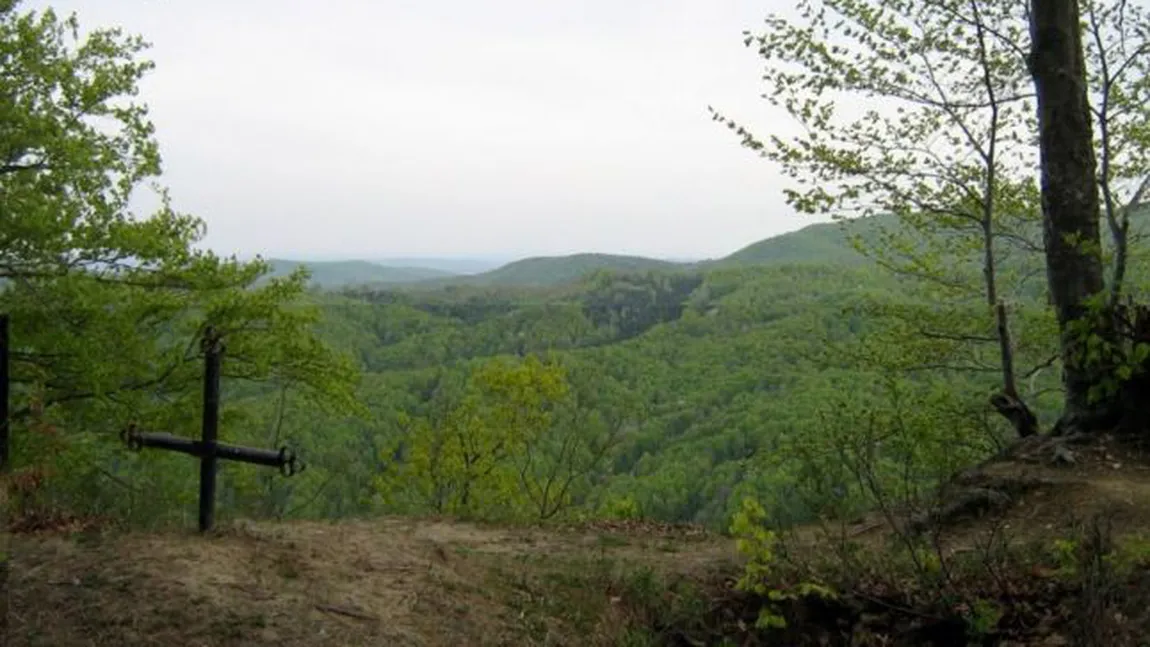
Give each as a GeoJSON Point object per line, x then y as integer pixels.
{"type": "Point", "coordinates": [451, 266]}
{"type": "Point", "coordinates": [334, 274]}
{"type": "Point", "coordinates": [818, 243]}
{"type": "Point", "coordinates": [556, 270]}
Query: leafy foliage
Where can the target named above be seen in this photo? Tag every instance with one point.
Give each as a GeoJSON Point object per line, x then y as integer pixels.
{"type": "Point", "coordinates": [816, 386]}
{"type": "Point", "coordinates": [471, 457]}
{"type": "Point", "coordinates": [107, 307]}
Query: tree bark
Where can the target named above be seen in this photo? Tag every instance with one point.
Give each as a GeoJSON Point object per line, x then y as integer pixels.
{"type": "Point", "coordinates": [1009, 403]}
{"type": "Point", "coordinates": [1070, 205]}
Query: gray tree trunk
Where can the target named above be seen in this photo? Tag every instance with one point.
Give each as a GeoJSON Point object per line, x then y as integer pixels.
{"type": "Point", "coordinates": [1070, 204]}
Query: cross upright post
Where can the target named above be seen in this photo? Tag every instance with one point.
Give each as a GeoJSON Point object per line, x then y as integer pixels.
{"type": "Point", "coordinates": [208, 448]}
{"type": "Point", "coordinates": [213, 352]}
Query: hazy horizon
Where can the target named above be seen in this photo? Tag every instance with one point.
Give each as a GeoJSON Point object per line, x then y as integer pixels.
{"type": "Point", "coordinates": [365, 130]}
{"type": "Point", "coordinates": [420, 261]}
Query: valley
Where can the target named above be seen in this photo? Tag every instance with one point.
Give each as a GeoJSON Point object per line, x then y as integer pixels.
{"type": "Point", "coordinates": [920, 423]}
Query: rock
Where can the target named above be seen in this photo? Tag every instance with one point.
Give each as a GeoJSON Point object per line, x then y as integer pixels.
{"type": "Point", "coordinates": [1063, 456]}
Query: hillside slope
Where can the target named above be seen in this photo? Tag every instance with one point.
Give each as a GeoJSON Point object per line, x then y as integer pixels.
{"type": "Point", "coordinates": [820, 243]}
{"type": "Point", "coordinates": [827, 243]}
{"type": "Point", "coordinates": [817, 244]}
{"type": "Point", "coordinates": [558, 270]}
{"type": "Point", "coordinates": [452, 266]}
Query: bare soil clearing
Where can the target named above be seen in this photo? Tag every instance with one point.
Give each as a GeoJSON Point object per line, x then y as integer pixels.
{"type": "Point", "coordinates": [447, 582]}
{"type": "Point", "coordinates": [382, 582]}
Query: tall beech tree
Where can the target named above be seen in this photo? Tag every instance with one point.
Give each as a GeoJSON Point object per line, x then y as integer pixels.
{"type": "Point", "coordinates": [924, 110]}
{"type": "Point", "coordinates": [1100, 355]}
{"type": "Point", "coordinates": [1070, 204]}
{"type": "Point", "coordinates": [933, 133]}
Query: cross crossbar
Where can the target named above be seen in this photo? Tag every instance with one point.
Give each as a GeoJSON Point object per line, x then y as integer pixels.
{"type": "Point", "coordinates": [207, 448]}
{"type": "Point", "coordinates": [282, 458]}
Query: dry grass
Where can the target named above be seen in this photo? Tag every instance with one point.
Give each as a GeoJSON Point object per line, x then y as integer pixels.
{"type": "Point", "coordinates": [386, 582]}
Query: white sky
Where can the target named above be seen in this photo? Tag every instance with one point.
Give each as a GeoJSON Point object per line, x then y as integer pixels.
{"type": "Point", "coordinates": [371, 129]}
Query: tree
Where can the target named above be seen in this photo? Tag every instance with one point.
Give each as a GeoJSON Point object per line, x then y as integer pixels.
{"type": "Point", "coordinates": [462, 459]}
{"type": "Point", "coordinates": [107, 306]}
{"type": "Point", "coordinates": [939, 134]}
{"type": "Point", "coordinates": [557, 470]}
{"type": "Point", "coordinates": [1070, 205]}
{"type": "Point", "coordinates": [1092, 351]}
{"type": "Point", "coordinates": [936, 144]}
{"type": "Point", "coordinates": [1118, 69]}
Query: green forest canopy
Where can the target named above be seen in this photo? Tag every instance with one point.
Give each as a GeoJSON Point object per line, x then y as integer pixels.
{"type": "Point", "coordinates": [686, 390]}
{"type": "Point", "coordinates": [591, 385]}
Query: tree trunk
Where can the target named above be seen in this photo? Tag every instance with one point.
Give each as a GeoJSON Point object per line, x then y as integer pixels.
{"type": "Point", "coordinates": [1070, 205]}
{"type": "Point", "coordinates": [1009, 403]}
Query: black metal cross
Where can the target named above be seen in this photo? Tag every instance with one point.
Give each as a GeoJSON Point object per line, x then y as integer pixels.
{"type": "Point", "coordinates": [208, 449]}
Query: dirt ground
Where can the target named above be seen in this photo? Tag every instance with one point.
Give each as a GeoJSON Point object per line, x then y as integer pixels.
{"type": "Point", "coordinates": [445, 582]}
{"type": "Point", "coordinates": [380, 582]}
{"type": "Point", "coordinates": [1041, 490]}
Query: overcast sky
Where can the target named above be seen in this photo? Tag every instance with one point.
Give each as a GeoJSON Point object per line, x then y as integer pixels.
{"type": "Point", "coordinates": [476, 128]}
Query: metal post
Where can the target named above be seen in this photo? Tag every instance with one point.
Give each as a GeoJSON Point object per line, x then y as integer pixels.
{"type": "Point", "coordinates": [213, 351]}
{"type": "Point", "coordinates": [208, 449]}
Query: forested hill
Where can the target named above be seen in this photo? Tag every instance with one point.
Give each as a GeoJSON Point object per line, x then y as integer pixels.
{"type": "Point", "coordinates": [557, 270]}
{"type": "Point", "coordinates": [672, 380]}
{"type": "Point", "coordinates": [333, 274]}
{"type": "Point", "coordinates": [821, 243]}
{"type": "Point", "coordinates": [687, 387]}
{"type": "Point", "coordinates": [452, 265]}
{"type": "Point", "coordinates": [871, 432]}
